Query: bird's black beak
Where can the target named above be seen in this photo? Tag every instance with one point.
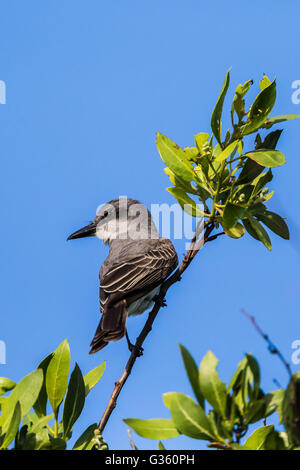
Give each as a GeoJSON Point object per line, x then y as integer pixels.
{"type": "Point", "coordinates": [87, 231]}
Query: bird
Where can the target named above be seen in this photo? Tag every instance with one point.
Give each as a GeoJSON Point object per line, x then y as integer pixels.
{"type": "Point", "coordinates": [138, 262]}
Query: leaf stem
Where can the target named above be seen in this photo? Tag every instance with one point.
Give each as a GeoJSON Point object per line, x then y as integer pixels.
{"type": "Point", "coordinates": [55, 434]}
{"type": "Point", "coordinates": [50, 429]}
{"type": "Point", "coordinates": [216, 196]}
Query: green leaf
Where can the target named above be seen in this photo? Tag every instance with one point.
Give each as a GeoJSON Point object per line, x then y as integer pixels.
{"type": "Point", "coordinates": [270, 141]}
{"type": "Point", "coordinates": [201, 174]}
{"type": "Point", "coordinates": [57, 375]}
{"type": "Point", "coordinates": [192, 373]}
{"type": "Point", "coordinates": [235, 380]}
{"type": "Point", "coordinates": [250, 230]}
{"type": "Point", "coordinates": [237, 231]}
{"type": "Point", "coordinates": [291, 409]}
{"type": "Point", "coordinates": [268, 196]}
{"type": "Point", "coordinates": [57, 443]}
{"type": "Point", "coordinates": [255, 411]}
{"type": "Point", "coordinates": [40, 406]}
{"type": "Point", "coordinates": [26, 393]}
{"type": "Point", "coordinates": [175, 158]}
{"type": "Point", "coordinates": [277, 119]}
{"type": "Point", "coordinates": [180, 183]}
{"type": "Point", "coordinates": [221, 428]}
{"type": "Point", "coordinates": [275, 441]}
{"type": "Point", "coordinates": [6, 385]}
{"type": "Point", "coordinates": [201, 141]}
{"type": "Point", "coordinates": [254, 376]}
{"type": "Point", "coordinates": [265, 82]}
{"type": "Point", "coordinates": [267, 158]}
{"type": "Point", "coordinates": [93, 377]}
{"type": "Point", "coordinates": [245, 386]}
{"type": "Point", "coordinates": [217, 112]}
{"type": "Point", "coordinates": [189, 418]}
{"type": "Point", "coordinates": [259, 231]}
{"type": "Point", "coordinates": [227, 151]}
{"type": "Point", "coordinates": [192, 153]}
{"type": "Point", "coordinates": [275, 223]}
{"type": "Point", "coordinates": [34, 434]}
{"type": "Point", "coordinates": [274, 402]}
{"type": "Point", "coordinates": [87, 439]}
{"type": "Point", "coordinates": [257, 440]}
{"type": "Point", "coordinates": [212, 388]}
{"type": "Point", "coordinates": [187, 203]}
{"type": "Point", "coordinates": [260, 109]}
{"type": "Point", "coordinates": [12, 427]}
{"type": "Point", "coordinates": [238, 104]}
{"type": "Point", "coordinates": [263, 407]}
{"type": "Point", "coordinates": [41, 423]}
{"type": "Point", "coordinates": [232, 213]}
{"type": "Point", "coordinates": [74, 401]}
{"type": "Point", "coordinates": [167, 399]}
{"type": "Point", "coordinates": [2, 401]}
{"type": "Point", "coordinates": [157, 428]}
{"type": "Point", "coordinates": [261, 181]}
{"type": "Point", "coordinates": [249, 172]}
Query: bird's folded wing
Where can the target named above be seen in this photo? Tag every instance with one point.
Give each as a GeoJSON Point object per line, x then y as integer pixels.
{"type": "Point", "coordinates": [142, 271]}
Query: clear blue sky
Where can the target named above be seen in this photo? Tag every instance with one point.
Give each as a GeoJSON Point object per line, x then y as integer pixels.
{"type": "Point", "coordinates": [88, 85]}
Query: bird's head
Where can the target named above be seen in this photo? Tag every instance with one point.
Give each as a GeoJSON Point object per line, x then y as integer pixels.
{"type": "Point", "coordinates": [120, 218]}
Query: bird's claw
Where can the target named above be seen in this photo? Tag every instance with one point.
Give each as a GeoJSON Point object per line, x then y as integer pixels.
{"type": "Point", "coordinates": [139, 350]}
{"type": "Point", "coordinates": [159, 301]}
{"type": "Point", "coordinates": [134, 347]}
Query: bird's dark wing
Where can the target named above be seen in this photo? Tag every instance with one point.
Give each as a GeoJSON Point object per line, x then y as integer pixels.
{"type": "Point", "coordinates": [126, 278]}
{"type": "Point", "coordinates": [140, 273]}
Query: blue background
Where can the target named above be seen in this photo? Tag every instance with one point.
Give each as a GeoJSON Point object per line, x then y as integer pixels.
{"type": "Point", "coordinates": [88, 85]}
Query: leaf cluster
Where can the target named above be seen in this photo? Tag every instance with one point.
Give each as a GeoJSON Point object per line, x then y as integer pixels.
{"type": "Point", "coordinates": [26, 424]}
{"type": "Point", "coordinates": [223, 414]}
{"type": "Point", "coordinates": [219, 179]}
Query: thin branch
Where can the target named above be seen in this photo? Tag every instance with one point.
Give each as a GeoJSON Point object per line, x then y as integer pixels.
{"type": "Point", "coordinates": [271, 346]}
{"type": "Point", "coordinates": [219, 445]}
{"type": "Point", "coordinates": [274, 350]}
{"type": "Point", "coordinates": [210, 239]}
{"type": "Point", "coordinates": [132, 445]}
{"type": "Point", "coordinates": [195, 246]}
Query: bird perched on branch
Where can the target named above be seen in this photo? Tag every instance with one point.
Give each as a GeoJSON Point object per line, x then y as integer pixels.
{"type": "Point", "coordinates": [138, 262]}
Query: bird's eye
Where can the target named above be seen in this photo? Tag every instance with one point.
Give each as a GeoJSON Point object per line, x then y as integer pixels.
{"type": "Point", "coordinates": [105, 215]}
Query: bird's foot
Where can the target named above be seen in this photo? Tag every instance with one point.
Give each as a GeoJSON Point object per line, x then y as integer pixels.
{"type": "Point", "coordinates": [134, 347]}
{"type": "Point", "coordinates": [159, 301]}
{"type": "Point", "coordinates": [138, 349]}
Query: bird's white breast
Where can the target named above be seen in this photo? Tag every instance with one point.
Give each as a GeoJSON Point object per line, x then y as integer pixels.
{"type": "Point", "coordinates": [144, 303]}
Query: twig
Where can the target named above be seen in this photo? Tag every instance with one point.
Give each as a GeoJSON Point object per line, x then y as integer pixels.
{"type": "Point", "coordinates": [271, 346]}
{"type": "Point", "coordinates": [175, 277]}
{"type": "Point", "coordinates": [274, 350]}
{"type": "Point", "coordinates": [132, 445]}
{"type": "Point", "coordinates": [219, 445]}
{"type": "Point", "coordinates": [210, 239]}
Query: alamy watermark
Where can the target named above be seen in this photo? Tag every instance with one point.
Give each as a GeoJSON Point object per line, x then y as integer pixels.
{"type": "Point", "coordinates": [2, 92]}
{"type": "Point", "coordinates": [2, 352]}
{"type": "Point", "coordinates": [125, 218]}
{"type": "Point", "coordinates": [296, 354]}
{"type": "Point", "coordinates": [296, 93]}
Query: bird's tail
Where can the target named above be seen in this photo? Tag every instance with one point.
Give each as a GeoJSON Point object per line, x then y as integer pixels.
{"type": "Point", "coordinates": [112, 326]}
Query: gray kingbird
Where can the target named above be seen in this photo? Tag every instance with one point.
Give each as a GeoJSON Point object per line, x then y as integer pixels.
{"type": "Point", "coordinates": [138, 262]}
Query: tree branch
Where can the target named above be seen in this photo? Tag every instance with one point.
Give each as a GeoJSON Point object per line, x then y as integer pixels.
{"type": "Point", "coordinates": [274, 350]}
{"type": "Point", "coordinates": [132, 445]}
{"type": "Point", "coordinates": [195, 246]}
{"type": "Point", "coordinates": [271, 347]}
